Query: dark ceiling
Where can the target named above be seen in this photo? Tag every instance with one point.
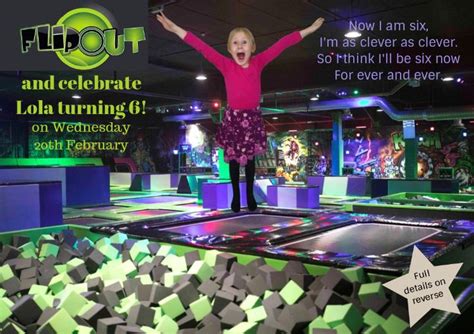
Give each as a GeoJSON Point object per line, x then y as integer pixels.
{"type": "Point", "coordinates": [169, 80]}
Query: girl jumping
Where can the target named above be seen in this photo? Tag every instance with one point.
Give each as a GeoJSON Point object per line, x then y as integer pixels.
{"type": "Point", "coordinates": [242, 133]}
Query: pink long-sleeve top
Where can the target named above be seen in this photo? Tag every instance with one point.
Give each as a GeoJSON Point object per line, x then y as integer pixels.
{"type": "Point", "coordinates": [243, 85]}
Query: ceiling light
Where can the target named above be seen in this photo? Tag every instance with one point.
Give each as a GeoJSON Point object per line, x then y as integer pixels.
{"type": "Point", "coordinates": [446, 79]}
{"type": "Point", "coordinates": [379, 110]}
{"type": "Point", "coordinates": [361, 127]}
{"type": "Point", "coordinates": [201, 77]}
{"type": "Point", "coordinates": [432, 128]}
{"type": "Point", "coordinates": [76, 96]}
{"type": "Point", "coordinates": [292, 130]}
{"type": "Point", "coordinates": [275, 118]}
{"type": "Point", "coordinates": [314, 98]}
{"type": "Point", "coordinates": [352, 34]}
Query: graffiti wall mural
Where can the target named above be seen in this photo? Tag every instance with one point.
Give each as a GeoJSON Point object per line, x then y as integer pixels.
{"type": "Point", "coordinates": [201, 154]}
{"type": "Point", "coordinates": [384, 155]}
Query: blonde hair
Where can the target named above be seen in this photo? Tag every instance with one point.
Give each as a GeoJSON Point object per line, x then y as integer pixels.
{"type": "Point", "coordinates": [247, 32]}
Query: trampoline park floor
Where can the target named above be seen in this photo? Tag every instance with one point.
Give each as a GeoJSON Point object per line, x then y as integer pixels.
{"type": "Point", "coordinates": [375, 242]}
{"type": "Point", "coordinates": [416, 204]}
{"type": "Point", "coordinates": [130, 206]}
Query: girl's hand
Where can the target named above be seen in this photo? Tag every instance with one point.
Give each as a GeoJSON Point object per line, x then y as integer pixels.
{"type": "Point", "coordinates": [170, 25]}
{"type": "Point", "coordinates": [312, 28]}
{"type": "Point", "coordinates": [317, 24]}
{"type": "Point", "coordinates": [166, 22]}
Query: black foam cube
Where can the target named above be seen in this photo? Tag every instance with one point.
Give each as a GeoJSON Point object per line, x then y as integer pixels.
{"type": "Point", "coordinates": [29, 273]}
{"type": "Point", "coordinates": [96, 312]}
{"type": "Point", "coordinates": [159, 292]}
{"type": "Point", "coordinates": [188, 331]}
{"type": "Point", "coordinates": [65, 254]}
{"type": "Point", "coordinates": [90, 295]}
{"type": "Point", "coordinates": [26, 310]}
{"type": "Point", "coordinates": [128, 329]}
{"type": "Point", "coordinates": [187, 293]}
{"type": "Point", "coordinates": [295, 267]}
{"type": "Point", "coordinates": [9, 252]}
{"type": "Point", "coordinates": [130, 285]}
{"type": "Point", "coordinates": [375, 303]}
{"type": "Point", "coordinates": [324, 331]}
{"type": "Point", "coordinates": [231, 315]}
{"type": "Point", "coordinates": [239, 294]}
{"type": "Point", "coordinates": [26, 284]}
{"type": "Point", "coordinates": [264, 329]}
{"type": "Point", "coordinates": [191, 257]}
{"type": "Point", "coordinates": [158, 272]}
{"type": "Point", "coordinates": [79, 273]}
{"type": "Point", "coordinates": [271, 320]}
{"type": "Point", "coordinates": [226, 259]}
{"type": "Point", "coordinates": [257, 286]}
{"type": "Point", "coordinates": [94, 260]}
{"type": "Point", "coordinates": [156, 261]}
{"type": "Point", "coordinates": [187, 321]}
{"type": "Point", "coordinates": [153, 247]}
{"type": "Point", "coordinates": [128, 244]}
{"type": "Point", "coordinates": [95, 284]}
{"type": "Point", "coordinates": [235, 281]}
{"type": "Point", "coordinates": [337, 281]}
{"type": "Point", "coordinates": [11, 285]}
{"type": "Point", "coordinates": [326, 297]}
{"type": "Point", "coordinates": [221, 300]}
{"type": "Point", "coordinates": [9, 328]}
{"type": "Point", "coordinates": [19, 240]}
{"type": "Point", "coordinates": [115, 288]}
{"type": "Point", "coordinates": [208, 288]}
{"type": "Point", "coordinates": [24, 264]}
{"type": "Point", "coordinates": [275, 279]}
{"type": "Point", "coordinates": [141, 315]}
{"type": "Point", "coordinates": [146, 268]}
{"type": "Point", "coordinates": [273, 301]}
{"type": "Point", "coordinates": [303, 280]}
{"type": "Point", "coordinates": [253, 266]}
{"type": "Point", "coordinates": [238, 269]}
{"type": "Point", "coordinates": [108, 325]}
{"type": "Point", "coordinates": [191, 279]}
{"type": "Point", "coordinates": [67, 237]}
{"type": "Point", "coordinates": [211, 324]}
{"type": "Point", "coordinates": [220, 275]}
{"type": "Point", "coordinates": [295, 318]}
{"type": "Point", "coordinates": [108, 298]}
{"type": "Point", "coordinates": [143, 292]}
{"type": "Point", "coordinates": [46, 315]}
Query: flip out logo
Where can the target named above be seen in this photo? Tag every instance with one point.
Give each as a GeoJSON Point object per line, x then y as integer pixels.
{"type": "Point", "coordinates": [83, 39]}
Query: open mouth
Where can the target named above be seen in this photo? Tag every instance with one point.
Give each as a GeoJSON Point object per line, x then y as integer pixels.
{"type": "Point", "coordinates": [240, 56]}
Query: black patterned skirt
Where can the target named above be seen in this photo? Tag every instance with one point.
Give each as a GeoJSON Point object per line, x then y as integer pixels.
{"type": "Point", "coordinates": [242, 135]}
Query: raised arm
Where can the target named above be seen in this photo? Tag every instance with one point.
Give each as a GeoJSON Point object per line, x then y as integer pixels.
{"type": "Point", "coordinates": [289, 40]}
{"type": "Point", "coordinates": [217, 59]}
{"type": "Point", "coordinates": [312, 28]}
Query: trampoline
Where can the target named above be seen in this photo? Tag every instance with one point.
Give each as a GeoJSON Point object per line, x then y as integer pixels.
{"type": "Point", "coordinates": [228, 225]}
{"type": "Point", "coordinates": [87, 221]}
{"type": "Point", "coordinates": [148, 213]}
{"type": "Point", "coordinates": [157, 200]}
{"type": "Point", "coordinates": [105, 208]}
{"type": "Point", "coordinates": [365, 239]}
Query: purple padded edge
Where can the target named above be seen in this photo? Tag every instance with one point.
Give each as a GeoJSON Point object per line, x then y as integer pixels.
{"type": "Point", "coordinates": [316, 181]}
{"type": "Point", "coordinates": [357, 186]}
